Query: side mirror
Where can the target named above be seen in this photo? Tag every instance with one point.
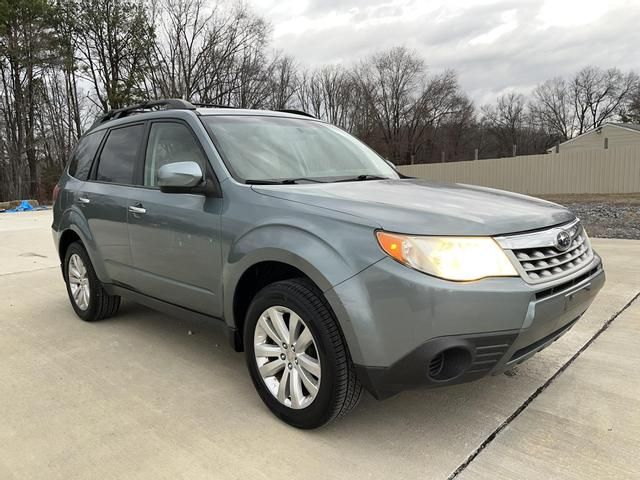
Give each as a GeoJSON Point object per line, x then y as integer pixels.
{"type": "Point", "coordinates": [179, 177]}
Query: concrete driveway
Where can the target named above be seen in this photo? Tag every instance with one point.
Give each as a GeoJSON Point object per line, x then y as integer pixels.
{"type": "Point", "coordinates": [144, 395]}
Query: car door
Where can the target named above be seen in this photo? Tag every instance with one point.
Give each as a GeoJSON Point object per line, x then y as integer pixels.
{"type": "Point", "coordinates": [104, 199]}
{"type": "Point", "coordinates": [175, 237]}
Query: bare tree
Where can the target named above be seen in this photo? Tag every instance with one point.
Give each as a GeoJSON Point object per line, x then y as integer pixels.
{"type": "Point", "coordinates": [597, 95]}
{"type": "Point", "coordinates": [57, 125]}
{"type": "Point", "coordinates": [329, 92]}
{"type": "Point", "coordinates": [26, 46]}
{"type": "Point", "coordinates": [207, 54]}
{"type": "Point", "coordinates": [630, 112]}
{"type": "Point", "coordinates": [553, 110]}
{"type": "Point", "coordinates": [308, 95]}
{"type": "Point", "coordinates": [408, 106]}
{"type": "Point", "coordinates": [112, 40]}
{"type": "Point", "coordinates": [250, 79]}
{"type": "Point", "coordinates": [336, 86]}
{"type": "Point", "coordinates": [512, 126]}
{"type": "Point", "coordinates": [64, 22]}
{"type": "Point", "coordinates": [440, 99]}
{"type": "Point", "coordinates": [456, 134]}
{"type": "Point", "coordinates": [392, 83]}
{"type": "Point", "coordinates": [283, 82]}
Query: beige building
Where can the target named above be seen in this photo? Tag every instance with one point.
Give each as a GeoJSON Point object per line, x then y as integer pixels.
{"type": "Point", "coordinates": [609, 135]}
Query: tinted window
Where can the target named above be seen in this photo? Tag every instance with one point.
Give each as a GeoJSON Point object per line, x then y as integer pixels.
{"type": "Point", "coordinates": [168, 143]}
{"type": "Point", "coordinates": [82, 159]}
{"type": "Point", "coordinates": [118, 156]}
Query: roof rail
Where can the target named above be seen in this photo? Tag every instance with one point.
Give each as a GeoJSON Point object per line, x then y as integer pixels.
{"type": "Point", "coordinates": [296, 112]}
{"type": "Point", "coordinates": [284, 110]}
{"type": "Point", "coordinates": [168, 103]}
{"type": "Point", "coordinates": [211, 105]}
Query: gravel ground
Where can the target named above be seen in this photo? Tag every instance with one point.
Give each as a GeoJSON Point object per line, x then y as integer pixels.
{"type": "Point", "coordinates": [605, 216]}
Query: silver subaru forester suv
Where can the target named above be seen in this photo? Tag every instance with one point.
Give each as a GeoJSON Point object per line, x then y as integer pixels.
{"type": "Point", "coordinates": [329, 269]}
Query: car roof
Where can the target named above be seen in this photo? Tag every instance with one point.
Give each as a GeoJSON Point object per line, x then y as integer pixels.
{"type": "Point", "coordinates": [208, 111]}
{"type": "Point", "coordinates": [200, 111]}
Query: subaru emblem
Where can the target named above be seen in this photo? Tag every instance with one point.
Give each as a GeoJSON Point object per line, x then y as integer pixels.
{"type": "Point", "coordinates": [563, 241]}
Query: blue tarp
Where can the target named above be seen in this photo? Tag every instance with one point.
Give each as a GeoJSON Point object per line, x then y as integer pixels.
{"type": "Point", "coordinates": [24, 206]}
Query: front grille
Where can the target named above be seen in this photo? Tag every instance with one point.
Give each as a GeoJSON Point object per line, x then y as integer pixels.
{"type": "Point", "coordinates": [540, 260]}
{"type": "Point", "coordinates": [564, 286]}
{"type": "Point", "coordinates": [548, 263]}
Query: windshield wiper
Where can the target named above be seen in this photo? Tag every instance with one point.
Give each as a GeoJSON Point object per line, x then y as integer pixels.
{"type": "Point", "coordinates": [262, 182]}
{"type": "Point", "coordinates": [284, 181]}
{"type": "Point", "coordinates": [360, 178]}
{"type": "Point", "coordinates": [292, 181]}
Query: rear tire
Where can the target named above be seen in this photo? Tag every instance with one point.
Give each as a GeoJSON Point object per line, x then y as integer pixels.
{"type": "Point", "coordinates": [327, 386]}
{"type": "Point", "coordinates": [87, 295]}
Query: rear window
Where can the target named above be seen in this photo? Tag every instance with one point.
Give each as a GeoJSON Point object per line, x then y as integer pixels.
{"type": "Point", "coordinates": [118, 156]}
{"type": "Point", "coordinates": [82, 159]}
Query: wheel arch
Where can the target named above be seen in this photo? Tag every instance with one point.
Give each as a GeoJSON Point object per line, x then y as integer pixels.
{"type": "Point", "coordinates": [256, 275]}
{"type": "Point", "coordinates": [295, 251]}
{"type": "Point", "coordinates": [67, 238]}
{"type": "Point", "coordinates": [74, 227]}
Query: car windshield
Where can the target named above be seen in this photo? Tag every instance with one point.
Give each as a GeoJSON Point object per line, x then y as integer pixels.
{"type": "Point", "coordinates": [264, 148]}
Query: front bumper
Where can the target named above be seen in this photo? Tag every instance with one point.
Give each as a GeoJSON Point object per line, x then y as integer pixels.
{"type": "Point", "coordinates": [421, 331]}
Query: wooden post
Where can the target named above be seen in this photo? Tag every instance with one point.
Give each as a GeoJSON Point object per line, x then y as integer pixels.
{"type": "Point", "coordinates": [515, 150]}
{"type": "Point", "coordinates": [443, 156]}
{"type": "Point", "coordinates": [475, 155]}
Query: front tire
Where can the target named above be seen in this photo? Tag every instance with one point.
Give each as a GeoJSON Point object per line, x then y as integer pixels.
{"type": "Point", "coordinates": [88, 297]}
{"type": "Point", "coordinates": [297, 357]}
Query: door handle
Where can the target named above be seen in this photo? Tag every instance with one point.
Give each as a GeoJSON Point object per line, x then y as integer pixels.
{"type": "Point", "coordinates": [137, 210]}
{"type": "Point", "coordinates": [84, 200]}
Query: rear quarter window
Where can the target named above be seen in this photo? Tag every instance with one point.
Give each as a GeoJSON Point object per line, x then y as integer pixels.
{"type": "Point", "coordinates": [118, 157]}
{"type": "Point", "coordinates": [82, 158]}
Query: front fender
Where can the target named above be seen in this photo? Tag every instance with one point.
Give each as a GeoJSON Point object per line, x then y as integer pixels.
{"type": "Point", "coordinates": [325, 263]}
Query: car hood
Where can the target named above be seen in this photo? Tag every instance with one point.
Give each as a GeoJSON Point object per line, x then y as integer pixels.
{"type": "Point", "coordinates": [419, 206]}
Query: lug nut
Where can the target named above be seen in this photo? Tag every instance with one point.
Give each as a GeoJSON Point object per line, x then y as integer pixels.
{"type": "Point", "coordinates": [293, 348]}
{"type": "Point", "coordinates": [290, 366]}
{"type": "Point", "coordinates": [282, 356]}
{"type": "Point", "coordinates": [284, 345]}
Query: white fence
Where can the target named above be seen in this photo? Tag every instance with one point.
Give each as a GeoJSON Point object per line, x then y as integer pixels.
{"type": "Point", "coordinates": [616, 170]}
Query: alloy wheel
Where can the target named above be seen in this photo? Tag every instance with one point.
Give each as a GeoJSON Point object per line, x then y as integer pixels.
{"type": "Point", "coordinates": [78, 281]}
{"type": "Point", "coordinates": [287, 357]}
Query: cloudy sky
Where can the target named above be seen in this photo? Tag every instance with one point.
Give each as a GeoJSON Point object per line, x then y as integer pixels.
{"type": "Point", "coordinates": [494, 45]}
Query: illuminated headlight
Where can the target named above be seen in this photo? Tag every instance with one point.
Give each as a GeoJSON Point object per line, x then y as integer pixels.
{"type": "Point", "coordinates": [450, 258]}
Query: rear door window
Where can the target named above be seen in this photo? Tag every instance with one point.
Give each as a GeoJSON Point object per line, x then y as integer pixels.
{"type": "Point", "coordinates": [82, 158]}
{"type": "Point", "coordinates": [117, 162]}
